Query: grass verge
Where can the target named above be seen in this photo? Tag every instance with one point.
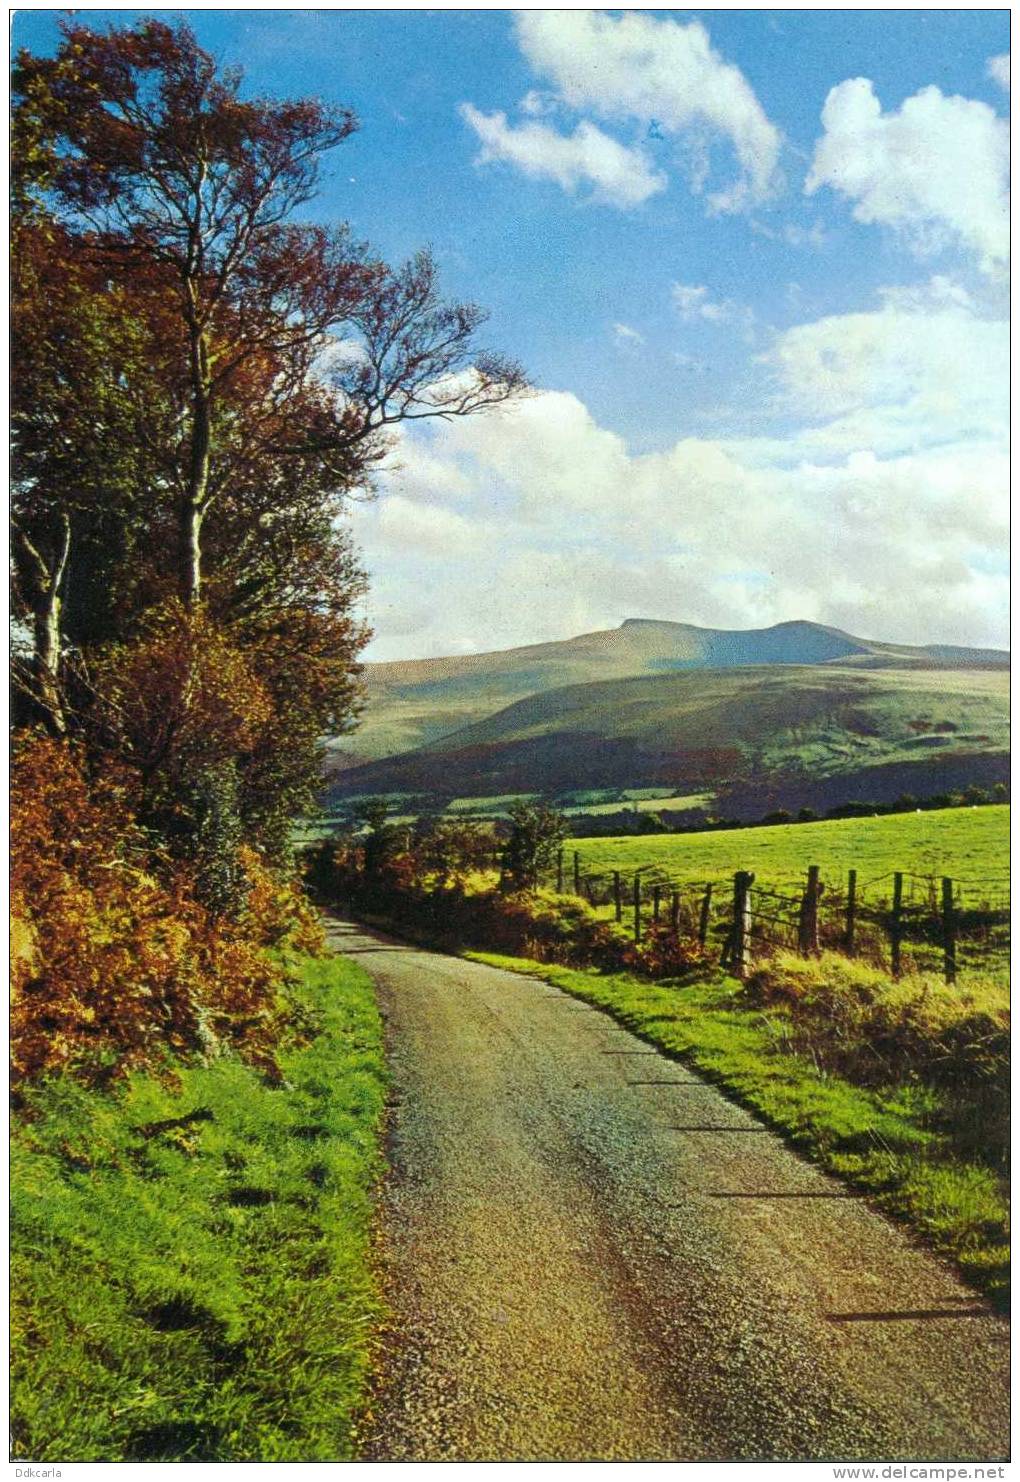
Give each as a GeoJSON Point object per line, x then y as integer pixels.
{"type": "Point", "coordinates": [892, 1144]}
{"type": "Point", "coordinates": [190, 1257]}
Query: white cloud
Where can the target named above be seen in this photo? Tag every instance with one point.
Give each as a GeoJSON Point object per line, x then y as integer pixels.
{"type": "Point", "coordinates": [804, 236]}
{"type": "Point", "coordinates": [536, 103]}
{"type": "Point", "coordinates": [624, 335]}
{"type": "Point", "coordinates": [882, 508]}
{"type": "Point", "coordinates": [922, 369]}
{"type": "Point", "coordinates": [693, 302]}
{"type": "Point", "coordinates": [998, 70]}
{"type": "Point", "coordinates": [620, 176]}
{"type": "Point", "coordinates": [663, 75]}
{"type": "Point", "coordinates": [936, 170]}
{"type": "Point", "coordinates": [428, 529]}
{"type": "Point", "coordinates": [889, 519]}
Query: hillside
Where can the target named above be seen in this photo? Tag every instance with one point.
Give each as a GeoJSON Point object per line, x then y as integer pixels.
{"type": "Point", "coordinates": [415, 703]}
{"type": "Point", "coordinates": [756, 736]}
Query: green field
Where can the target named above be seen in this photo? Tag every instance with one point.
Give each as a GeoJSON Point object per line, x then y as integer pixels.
{"type": "Point", "coordinates": [970, 844]}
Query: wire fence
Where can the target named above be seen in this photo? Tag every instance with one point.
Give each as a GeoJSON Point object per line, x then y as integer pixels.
{"type": "Point", "coordinates": [900, 920]}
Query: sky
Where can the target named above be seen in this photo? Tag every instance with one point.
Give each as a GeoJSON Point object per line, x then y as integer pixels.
{"type": "Point", "coordinates": [755, 264]}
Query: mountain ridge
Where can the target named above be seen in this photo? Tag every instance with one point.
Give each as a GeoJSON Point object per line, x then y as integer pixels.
{"type": "Point", "coordinates": [415, 703]}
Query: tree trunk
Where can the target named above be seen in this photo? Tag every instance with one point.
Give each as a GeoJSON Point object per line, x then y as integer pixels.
{"type": "Point", "coordinates": [46, 640]}
{"type": "Point", "coordinates": [191, 553]}
{"type": "Point", "coordinates": [47, 663]}
{"type": "Point", "coordinates": [193, 505]}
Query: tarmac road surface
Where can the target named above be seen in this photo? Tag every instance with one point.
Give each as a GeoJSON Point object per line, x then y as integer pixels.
{"type": "Point", "coordinates": [593, 1254]}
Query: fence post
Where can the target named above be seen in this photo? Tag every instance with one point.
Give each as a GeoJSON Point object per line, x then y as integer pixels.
{"type": "Point", "coordinates": [948, 929]}
{"type": "Point", "coordinates": [706, 911]}
{"type": "Point", "coordinates": [637, 908]}
{"type": "Point", "coordinates": [807, 926]}
{"type": "Point", "coordinates": [617, 895]}
{"type": "Point", "coordinates": [674, 913]}
{"type": "Point", "coordinates": [656, 901]}
{"type": "Point", "coordinates": [896, 924]}
{"type": "Point", "coordinates": [740, 954]}
{"type": "Point", "coordinates": [851, 912]}
{"type": "Point", "coordinates": [577, 873]}
{"type": "Point", "coordinates": [559, 872]}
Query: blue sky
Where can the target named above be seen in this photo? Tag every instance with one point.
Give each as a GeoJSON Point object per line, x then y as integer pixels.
{"type": "Point", "coordinates": [755, 263]}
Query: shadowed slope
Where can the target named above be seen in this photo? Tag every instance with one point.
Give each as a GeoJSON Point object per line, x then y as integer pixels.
{"type": "Point", "coordinates": [807, 733]}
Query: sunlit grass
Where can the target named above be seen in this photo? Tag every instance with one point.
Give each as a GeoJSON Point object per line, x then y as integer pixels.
{"type": "Point", "coordinates": [960, 842]}
{"type": "Point", "coordinates": [190, 1262]}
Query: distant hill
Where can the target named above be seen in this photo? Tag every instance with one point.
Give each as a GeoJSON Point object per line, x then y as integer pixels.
{"type": "Point", "coordinates": [767, 736]}
{"type": "Point", "coordinates": [413, 703]}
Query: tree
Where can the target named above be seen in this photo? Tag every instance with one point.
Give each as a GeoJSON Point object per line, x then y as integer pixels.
{"type": "Point", "coordinates": [205, 382]}
{"type": "Point", "coordinates": [167, 173]}
{"type": "Point", "coordinates": [88, 408]}
{"type": "Point", "coordinates": [536, 833]}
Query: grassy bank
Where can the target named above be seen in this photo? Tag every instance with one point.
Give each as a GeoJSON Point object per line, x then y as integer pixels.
{"type": "Point", "coordinates": [190, 1260]}
{"type": "Point", "coordinates": [927, 1151]}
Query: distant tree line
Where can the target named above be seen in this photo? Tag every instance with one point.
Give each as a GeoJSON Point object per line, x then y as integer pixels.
{"type": "Point", "coordinates": [667, 821]}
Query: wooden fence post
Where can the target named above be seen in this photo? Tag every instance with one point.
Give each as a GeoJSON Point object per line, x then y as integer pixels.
{"type": "Point", "coordinates": [948, 930]}
{"type": "Point", "coordinates": [559, 872]}
{"type": "Point", "coordinates": [637, 908]}
{"type": "Point", "coordinates": [656, 901]}
{"type": "Point", "coordinates": [851, 912]}
{"type": "Point", "coordinates": [740, 954]}
{"type": "Point", "coordinates": [577, 873]}
{"type": "Point", "coordinates": [706, 911]}
{"type": "Point", "coordinates": [617, 895]}
{"type": "Point", "coordinates": [674, 913]}
{"type": "Point", "coordinates": [807, 925]}
{"type": "Point", "coordinates": [896, 924]}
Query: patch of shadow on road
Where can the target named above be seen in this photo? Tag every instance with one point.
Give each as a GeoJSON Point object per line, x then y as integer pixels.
{"type": "Point", "coordinates": [672, 1127]}
{"type": "Point", "coordinates": [709, 1194]}
{"type": "Point", "coordinates": [915, 1315]}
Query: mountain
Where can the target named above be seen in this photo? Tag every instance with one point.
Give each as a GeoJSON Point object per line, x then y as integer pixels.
{"type": "Point", "coordinates": [416, 703]}
{"type": "Point", "coordinates": [754, 737]}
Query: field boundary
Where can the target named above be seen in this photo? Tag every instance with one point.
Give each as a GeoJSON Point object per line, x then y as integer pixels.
{"type": "Point", "coordinates": [900, 920]}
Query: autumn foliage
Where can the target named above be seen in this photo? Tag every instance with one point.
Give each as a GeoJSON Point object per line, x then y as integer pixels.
{"type": "Point", "coordinates": [115, 961]}
{"type": "Point", "coordinates": [202, 383]}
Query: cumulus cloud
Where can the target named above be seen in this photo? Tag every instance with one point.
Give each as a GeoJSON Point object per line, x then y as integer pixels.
{"type": "Point", "coordinates": [428, 529]}
{"type": "Point", "coordinates": [663, 75]}
{"type": "Point", "coordinates": [936, 170]}
{"type": "Point", "coordinates": [620, 176]}
{"type": "Point", "coordinates": [998, 70]}
{"type": "Point", "coordinates": [882, 510]}
{"type": "Point", "coordinates": [627, 337]}
{"type": "Point", "coordinates": [922, 369]}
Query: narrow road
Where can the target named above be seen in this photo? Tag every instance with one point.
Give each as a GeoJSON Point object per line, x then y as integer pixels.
{"type": "Point", "coordinates": [594, 1255]}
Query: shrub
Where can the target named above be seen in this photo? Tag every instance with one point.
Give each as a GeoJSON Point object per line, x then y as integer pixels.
{"type": "Point", "coordinates": [854, 1019]}
{"type": "Point", "coordinates": [117, 961]}
{"type": "Point", "coordinates": [536, 833]}
{"type": "Point", "coordinates": [664, 954]}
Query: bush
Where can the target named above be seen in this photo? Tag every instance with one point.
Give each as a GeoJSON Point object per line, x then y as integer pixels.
{"type": "Point", "coordinates": [854, 1019]}
{"type": "Point", "coordinates": [536, 834]}
{"type": "Point", "coordinates": [117, 961]}
{"type": "Point", "coordinates": [663, 954]}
